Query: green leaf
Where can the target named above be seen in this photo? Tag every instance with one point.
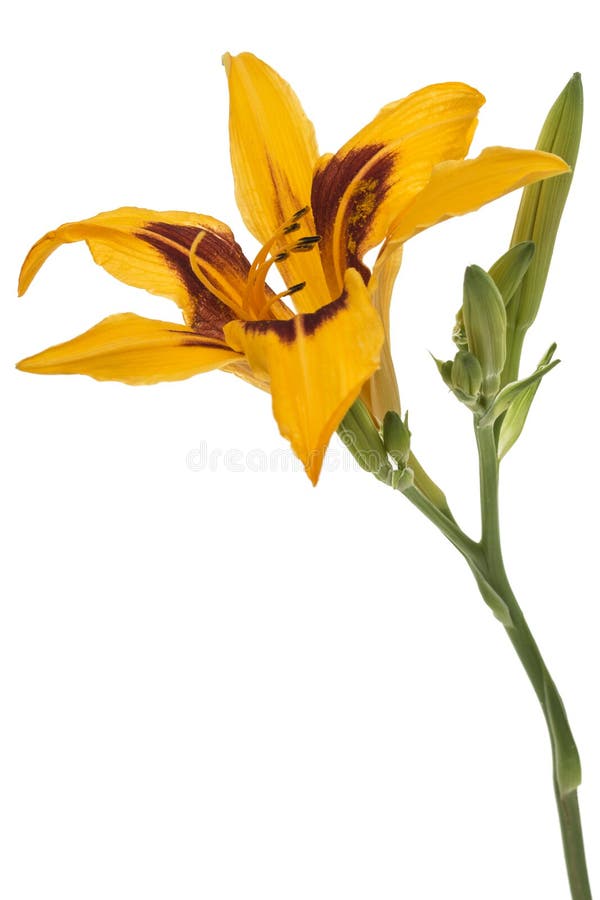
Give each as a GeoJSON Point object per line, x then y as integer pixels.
{"type": "Point", "coordinates": [567, 767]}
{"type": "Point", "coordinates": [445, 370]}
{"type": "Point", "coordinates": [516, 415]}
{"type": "Point", "coordinates": [509, 394]}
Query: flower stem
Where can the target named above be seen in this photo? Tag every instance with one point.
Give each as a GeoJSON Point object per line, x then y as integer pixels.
{"type": "Point", "coordinates": [567, 772]}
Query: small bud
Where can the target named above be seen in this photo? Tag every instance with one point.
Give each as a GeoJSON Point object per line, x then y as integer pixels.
{"type": "Point", "coordinates": [467, 376]}
{"type": "Point", "coordinates": [396, 438]}
{"type": "Point", "coordinates": [402, 479]}
{"type": "Point", "coordinates": [485, 325]}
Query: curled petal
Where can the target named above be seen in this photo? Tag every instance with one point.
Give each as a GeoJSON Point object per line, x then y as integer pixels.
{"type": "Point", "coordinates": [151, 250]}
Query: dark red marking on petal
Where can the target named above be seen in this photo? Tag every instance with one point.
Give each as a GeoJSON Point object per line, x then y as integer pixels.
{"type": "Point", "coordinates": [307, 323]}
{"type": "Point", "coordinates": [195, 341]}
{"type": "Point", "coordinates": [284, 329]}
{"type": "Point", "coordinates": [210, 314]}
{"type": "Point", "coordinates": [311, 322]}
{"type": "Point", "coordinates": [331, 183]}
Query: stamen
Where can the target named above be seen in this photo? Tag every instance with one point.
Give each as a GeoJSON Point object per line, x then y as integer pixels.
{"type": "Point", "coordinates": [255, 285]}
{"type": "Point", "coordinates": [287, 293]}
{"type": "Point", "coordinates": [205, 280]}
{"type": "Point", "coordinates": [292, 290]}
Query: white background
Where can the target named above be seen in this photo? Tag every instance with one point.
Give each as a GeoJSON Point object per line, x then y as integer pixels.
{"type": "Point", "coordinates": [226, 684]}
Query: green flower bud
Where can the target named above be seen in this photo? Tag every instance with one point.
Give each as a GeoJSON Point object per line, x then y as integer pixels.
{"type": "Point", "coordinates": [507, 273]}
{"type": "Point", "coordinates": [540, 212]}
{"type": "Point", "coordinates": [485, 325]}
{"type": "Point", "coordinates": [360, 435]}
{"type": "Point", "coordinates": [467, 376]}
{"type": "Point", "coordinates": [396, 438]}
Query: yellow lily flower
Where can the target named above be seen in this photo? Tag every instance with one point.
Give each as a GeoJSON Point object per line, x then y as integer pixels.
{"type": "Point", "coordinates": [315, 219]}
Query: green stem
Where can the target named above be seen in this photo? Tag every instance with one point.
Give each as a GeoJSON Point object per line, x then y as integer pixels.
{"type": "Point", "coordinates": [446, 524]}
{"type": "Point", "coordinates": [567, 772]}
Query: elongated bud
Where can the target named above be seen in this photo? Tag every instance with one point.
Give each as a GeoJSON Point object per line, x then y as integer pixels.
{"type": "Point", "coordinates": [485, 326]}
{"type": "Point", "coordinates": [507, 274]}
{"type": "Point", "coordinates": [396, 438]}
{"type": "Point", "coordinates": [540, 212]}
{"type": "Point", "coordinates": [467, 376]}
{"type": "Point", "coordinates": [508, 271]}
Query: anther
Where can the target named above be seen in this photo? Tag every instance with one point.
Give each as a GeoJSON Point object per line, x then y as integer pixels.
{"type": "Point", "coordinates": [300, 213]}
{"type": "Point", "coordinates": [305, 243]}
{"type": "Point", "coordinates": [293, 289]}
{"type": "Point", "coordinates": [293, 227]}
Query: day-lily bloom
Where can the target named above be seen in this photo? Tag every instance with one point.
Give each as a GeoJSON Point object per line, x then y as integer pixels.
{"type": "Point", "coordinates": [315, 218]}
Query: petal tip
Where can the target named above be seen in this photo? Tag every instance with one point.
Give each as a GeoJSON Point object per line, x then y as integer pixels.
{"type": "Point", "coordinates": [25, 365]}
{"type": "Point", "coordinates": [314, 465]}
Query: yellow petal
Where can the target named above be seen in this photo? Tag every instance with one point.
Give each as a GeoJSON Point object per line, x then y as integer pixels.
{"type": "Point", "coordinates": [463, 186]}
{"type": "Point", "coordinates": [358, 191]}
{"type": "Point", "coordinates": [151, 250]}
{"type": "Point", "coordinates": [380, 392]}
{"type": "Point", "coordinates": [273, 154]}
{"type": "Point", "coordinates": [134, 350]}
{"type": "Point", "coordinates": [317, 364]}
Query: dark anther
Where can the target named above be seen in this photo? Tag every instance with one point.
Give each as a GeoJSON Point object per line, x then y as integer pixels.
{"type": "Point", "coordinates": [310, 239]}
{"type": "Point", "coordinates": [293, 227]}
{"type": "Point", "coordinates": [301, 212]}
{"type": "Point", "coordinates": [281, 256]}
{"type": "Point", "coordinates": [296, 287]}
{"type": "Point", "coordinates": [305, 244]}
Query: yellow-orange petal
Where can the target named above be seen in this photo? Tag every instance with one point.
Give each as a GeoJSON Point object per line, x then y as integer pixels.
{"type": "Point", "coordinates": [357, 191]}
{"type": "Point", "coordinates": [459, 187]}
{"type": "Point", "coordinates": [316, 364]}
{"type": "Point", "coordinates": [151, 250]}
{"type": "Point", "coordinates": [133, 350]}
{"type": "Point", "coordinates": [273, 154]}
{"type": "Point", "coordinates": [380, 392]}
